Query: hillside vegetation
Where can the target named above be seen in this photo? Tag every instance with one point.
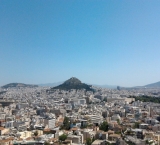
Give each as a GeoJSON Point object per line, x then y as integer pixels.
{"type": "Point", "coordinates": [73, 83]}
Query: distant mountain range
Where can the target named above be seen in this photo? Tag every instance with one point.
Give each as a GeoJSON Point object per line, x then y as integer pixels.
{"type": "Point", "coordinates": [105, 86]}
{"type": "Point", "coordinates": [17, 85]}
{"type": "Point", "coordinates": [153, 85]}
{"type": "Point", "coordinates": [50, 84]}
{"type": "Point", "coordinates": [73, 83]}
{"type": "Point", "coordinates": [13, 85]}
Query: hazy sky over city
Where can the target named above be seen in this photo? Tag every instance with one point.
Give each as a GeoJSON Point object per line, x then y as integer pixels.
{"type": "Point", "coordinates": [98, 41]}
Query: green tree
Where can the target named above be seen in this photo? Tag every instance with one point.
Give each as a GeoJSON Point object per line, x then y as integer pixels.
{"type": "Point", "coordinates": [66, 124]}
{"type": "Point", "coordinates": [104, 126]}
{"type": "Point", "coordinates": [146, 99]}
{"type": "Point", "coordinates": [105, 99]}
{"type": "Point", "coordinates": [84, 126]}
{"type": "Point", "coordinates": [63, 137]}
{"type": "Point", "coordinates": [118, 121]}
{"type": "Point", "coordinates": [46, 143]}
{"type": "Point", "coordinates": [136, 125]}
{"type": "Point", "coordinates": [88, 141]}
{"type": "Point", "coordinates": [36, 133]}
{"type": "Point", "coordinates": [93, 139]}
{"type": "Point", "coordinates": [147, 142]}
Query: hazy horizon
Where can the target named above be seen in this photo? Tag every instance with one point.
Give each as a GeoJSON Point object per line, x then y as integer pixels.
{"type": "Point", "coordinates": [99, 42]}
{"type": "Point", "coordinates": [60, 82]}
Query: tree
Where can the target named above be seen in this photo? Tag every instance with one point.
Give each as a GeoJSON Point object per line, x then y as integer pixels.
{"type": "Point", "coordinates": [118, 121]}
{"type": "Point", "coordinates": [63, 137]}
{"type": "Point", "coordinates": [104, 126]}
{"type": "Point", "coordinates": [46, 143]}
{"type": "Point", "coordinates": [105, 99]}
{"type": "Point", "coordinates": [36, 133]}
{"type": "Point", "coordinates": [66, 124]}
{"type": "Point", "coordinates": [88, 141]}
{"type": "Point", "coordinates": [136, 125]}
{"type": "Point", "coordinates": [84, 126]}
{"type": "Point", "coordinates": [93, 139]}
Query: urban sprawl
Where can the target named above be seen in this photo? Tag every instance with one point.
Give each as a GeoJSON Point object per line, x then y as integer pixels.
{"type": "Point", "coordinates": [45, 116]}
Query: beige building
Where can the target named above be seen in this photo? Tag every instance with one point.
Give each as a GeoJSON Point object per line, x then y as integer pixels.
{"type": "Point", "coordinates": [75, 138]}
{"type": "Point", "coordinates": [114, 137]}
{"type": "Point", "coordinates": [25, 134]}
{"type": "Point", "coordinates": [98, 142]}
{"type": "Point", "coordinates": [3, 130]}
{"type": "Point", "coordinates": [88, 133]}
{"type": "Point", "coordinates": [127, 100]}
{"type": "Point", "coordinates": [156, 127]}
{"type": "Point", "coordinates": [7, 141]}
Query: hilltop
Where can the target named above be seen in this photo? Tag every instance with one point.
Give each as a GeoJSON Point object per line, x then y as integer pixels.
{"type": "Point", "coordinates": [17, 85]}
{"type": "Point", "coordinates": [73, 83]}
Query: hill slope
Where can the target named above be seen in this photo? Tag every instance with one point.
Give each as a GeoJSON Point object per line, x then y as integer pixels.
{"type": "Point", "coordinates": [153, 85]}
{"type": "Point", "coordinates": [17, 85]}
{"type": "Point", "coordinates": [73, 83]}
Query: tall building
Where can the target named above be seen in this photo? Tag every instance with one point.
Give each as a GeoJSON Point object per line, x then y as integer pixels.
{"type": "Point", "coordinates": [50, 123]}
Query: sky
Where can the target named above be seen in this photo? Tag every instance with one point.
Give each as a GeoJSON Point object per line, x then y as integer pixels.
{"type": "Point", "coordinates": [98, 41]}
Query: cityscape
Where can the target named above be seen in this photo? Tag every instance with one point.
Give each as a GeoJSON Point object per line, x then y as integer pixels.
{"type": "Point", "coordinates": [79, 72]}
{"type": "Point", "coordinates": [75, 113]}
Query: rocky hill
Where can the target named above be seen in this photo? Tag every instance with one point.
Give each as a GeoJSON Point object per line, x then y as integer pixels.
{"type": "Point", "coordinates": [73, 83]}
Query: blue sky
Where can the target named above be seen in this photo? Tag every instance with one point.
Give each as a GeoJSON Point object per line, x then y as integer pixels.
{"type": "Point", "coordinates": [98, 41]}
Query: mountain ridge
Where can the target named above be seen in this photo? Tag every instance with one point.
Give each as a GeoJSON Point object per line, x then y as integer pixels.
{"type": "Point", "coordinates": [156, 84]}
{"type": "Point", "coordinates": [11, 85]}
{"type": "Point", "coordinates": [152, 85]}
{"type": "Point", "coordinates": [51, 84]}
{"type": "Point", "coordinates": [17, 85]}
